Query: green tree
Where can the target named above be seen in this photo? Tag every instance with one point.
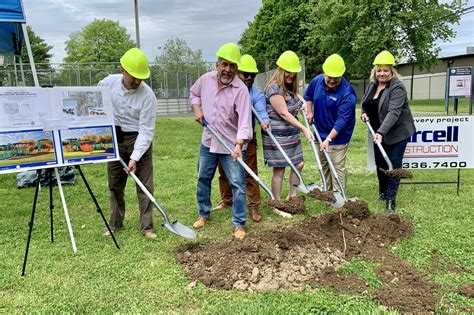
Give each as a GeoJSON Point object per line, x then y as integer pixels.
{"type": "Point", "coordinates": [277, 27]}
{"type": "Point", "coordinates": [177, 67]}
{"type": "Point", "coordinates": [99, 41]}
{"type": "Point", "coordinates": [40, 49]}
{"type": "Point", "coordinates": [356, 29]}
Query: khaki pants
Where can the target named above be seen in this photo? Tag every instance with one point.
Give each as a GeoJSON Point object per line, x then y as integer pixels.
{"type": "Point", "coordinates": [337, 154]}
{"type": "Point", "coordinates": [253, 189]}
{"type": "Point", "coordinates": [118, 180]}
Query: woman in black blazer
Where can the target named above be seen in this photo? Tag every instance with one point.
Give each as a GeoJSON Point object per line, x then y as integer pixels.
{"type": "Point", "coordinates": [385, 105]}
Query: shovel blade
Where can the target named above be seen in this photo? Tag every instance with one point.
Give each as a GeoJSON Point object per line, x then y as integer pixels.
{"type": "Point", "coordinates": [180, 229]}
{"type": "Point", "coordinates": [307, 188]}
{"type": "Point", "coordinates": [339, 200]}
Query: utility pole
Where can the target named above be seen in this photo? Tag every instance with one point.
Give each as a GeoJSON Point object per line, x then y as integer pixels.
{"type": "Point", "coordinates": [137, 27]}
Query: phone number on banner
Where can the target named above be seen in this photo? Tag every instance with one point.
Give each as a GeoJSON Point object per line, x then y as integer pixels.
{"type": "Point", "coordinates": [434, 164]}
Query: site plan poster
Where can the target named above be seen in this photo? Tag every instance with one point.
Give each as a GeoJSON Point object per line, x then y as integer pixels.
{"type": "Point", "coordinates": [52, 127]}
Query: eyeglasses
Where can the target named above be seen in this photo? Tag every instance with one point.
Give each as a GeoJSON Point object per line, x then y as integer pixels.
{"type": "Point", "coordinates": [248, 74]}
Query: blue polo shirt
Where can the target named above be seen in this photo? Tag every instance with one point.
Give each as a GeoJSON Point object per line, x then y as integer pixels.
{"type": "Point", "coordinates": [332, 108]}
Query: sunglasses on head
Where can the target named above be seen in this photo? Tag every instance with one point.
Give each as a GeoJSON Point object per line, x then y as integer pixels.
{"type": "Point", "coordinates": [249, 74]}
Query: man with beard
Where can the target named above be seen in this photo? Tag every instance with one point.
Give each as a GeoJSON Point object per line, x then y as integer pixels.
{"type": "Point", "coordinates": [223, 100]}
{"type": "Point", "coordinates": [247, 70]}
{"type": "Point", "coordinates": [134, 105]}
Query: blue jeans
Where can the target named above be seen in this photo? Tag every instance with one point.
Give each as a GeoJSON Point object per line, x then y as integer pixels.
{"type": "Point", "coordinates": [388, 185]}
{"type": "Point", "coordinates": [235, 174]}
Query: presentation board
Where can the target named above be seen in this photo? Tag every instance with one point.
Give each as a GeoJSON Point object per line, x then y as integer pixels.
{"type": "Point", "coordinates": [52, 127]}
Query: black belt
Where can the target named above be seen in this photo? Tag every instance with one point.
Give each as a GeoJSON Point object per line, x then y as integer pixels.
{"type": "Point", "coordinates": [121, 134]}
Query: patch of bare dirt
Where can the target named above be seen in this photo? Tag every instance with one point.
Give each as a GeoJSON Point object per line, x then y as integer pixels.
{"type": "Point", "coordinates": [467, 289]}
{"type": "Point", "coordinates": [309, 253]}
{"type": "Point", "coordinates": [439, 264]}
{"type": "Point", "coordinates": [294, 205]}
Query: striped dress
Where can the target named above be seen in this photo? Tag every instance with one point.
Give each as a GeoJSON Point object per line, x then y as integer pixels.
{"type": "Point", "coordinates": [287, 135]}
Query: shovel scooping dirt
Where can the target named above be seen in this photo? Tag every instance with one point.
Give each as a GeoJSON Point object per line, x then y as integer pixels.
{"type": "Point", "coordinates": [398, 173]}
{"type": "Point", "coordinates": [294, 205]}
{"type": "Point", "coordinates": [324, 196]}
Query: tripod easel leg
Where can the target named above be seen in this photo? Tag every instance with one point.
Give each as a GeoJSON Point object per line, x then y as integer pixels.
{"type": "Point", "coordinates": [51, 204]}
{"type": "Point", "coordinates": [32, 219]}
{"type": "Point", "coordinates": [98, 209]}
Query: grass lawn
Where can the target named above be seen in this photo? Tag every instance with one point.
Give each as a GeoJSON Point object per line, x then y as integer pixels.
{"type": "Point", "coordinates": [143, 277]}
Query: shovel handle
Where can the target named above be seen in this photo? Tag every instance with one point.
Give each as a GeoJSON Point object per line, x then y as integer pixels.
{"type": "Point", "coordinates": [316, 156]}
{"type": "Point", "coordinates": [382, 150]}
{"type": "Point", "coordinates": [147, 193]}
{"type": "Point", "coordinates": [239, 160]}
{"type": "Point", "coordinates": [275, 141]}
{"type": "Point", "coordinates": [331, 166]}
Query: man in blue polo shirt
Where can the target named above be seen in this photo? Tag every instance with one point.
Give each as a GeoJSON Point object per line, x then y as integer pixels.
{"type": "Point", "coordinates": [331, 104]}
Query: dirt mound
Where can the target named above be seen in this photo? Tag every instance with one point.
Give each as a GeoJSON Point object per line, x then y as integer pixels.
{"type": "Point", "coordinates": [356, 208]}
{"type": "Point", "coordinates": [310, 253]}
{"type": "Point", "coordinates": [324, 196]}
{"type": "Point", "coordinates": [294, 205]}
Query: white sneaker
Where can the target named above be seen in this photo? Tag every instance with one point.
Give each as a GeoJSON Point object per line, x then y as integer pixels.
{"type": "Point", "coordinates": [282, 213]}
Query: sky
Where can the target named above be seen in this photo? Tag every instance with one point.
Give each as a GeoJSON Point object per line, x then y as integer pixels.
{"type": "Point", "coordinates": [203, 25]}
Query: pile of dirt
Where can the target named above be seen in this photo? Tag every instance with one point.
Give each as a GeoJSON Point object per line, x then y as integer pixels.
{"type": "Point", "coordinates": [324, 196]}
{"type": "Point", "coordinates": [399, 173]}
{"type": "Point", "coordinates": [310, 253]}
{"type": "Point", "coordinates": [293, 205]}
{"type": "Point", "coordinates": [357, 207]}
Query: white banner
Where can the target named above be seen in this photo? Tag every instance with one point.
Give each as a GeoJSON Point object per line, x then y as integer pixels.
{"type": "Point", "coordinates": [440, 142]}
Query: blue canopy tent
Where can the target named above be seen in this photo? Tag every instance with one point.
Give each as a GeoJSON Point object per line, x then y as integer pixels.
{"type": "Point", "coordinates": [13, 32]}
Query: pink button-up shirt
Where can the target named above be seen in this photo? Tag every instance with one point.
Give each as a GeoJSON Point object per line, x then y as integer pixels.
{"type": "Point", "coordinates": [226, 109]}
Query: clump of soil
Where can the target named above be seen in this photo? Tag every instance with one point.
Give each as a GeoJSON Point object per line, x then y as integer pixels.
{"type": "Point", "coordinates": [356, 207]}
{"type": "Point", "coordinates": [467, 289]}
{"type": "Point", "coordinates": [324, 196]}
{"type": "Point", "coordinates": [294, 205]}
{"type": "Point", "coordinates": [310, 253]}
{"type": "Point", "coordinates": [399, 173]}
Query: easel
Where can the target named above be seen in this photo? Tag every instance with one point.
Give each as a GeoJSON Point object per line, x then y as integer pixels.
{"type": "Point", "coordinates": [51, 207]}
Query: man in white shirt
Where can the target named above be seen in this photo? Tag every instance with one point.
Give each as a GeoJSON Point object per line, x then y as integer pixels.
{"type": "Point", "coordinates": [134, 106]}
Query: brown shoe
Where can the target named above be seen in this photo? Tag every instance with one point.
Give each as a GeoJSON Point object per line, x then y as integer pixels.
{"type": "Point", "coordinates": [239, 233]}
{"type": "Point", "coordinates": [150, 235]}
{"type": "Point", "coordinates": [221, 206]}
{"type": "Point", "coordinates": [255, 215]}
{"type": "Point", "coordinates": [200, 222]}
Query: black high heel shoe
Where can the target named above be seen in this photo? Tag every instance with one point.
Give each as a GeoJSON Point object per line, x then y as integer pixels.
{"type": "Point", "coordinates": [381, 197]}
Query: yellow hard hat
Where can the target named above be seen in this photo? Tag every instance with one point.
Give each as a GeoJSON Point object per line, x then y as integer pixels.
{"type": "Point", "coordinates": [289, 62]}
{"type": "Point", "coordinates": [135, 63]}
{"type": "Point", "coordinates": [334, 66]}
{"type": "Point", "coordinates": [384, 58]}
{"type": "Point", "coordinates": [247, 64]}
{"type": "Point", "coordinates": [230, 52]}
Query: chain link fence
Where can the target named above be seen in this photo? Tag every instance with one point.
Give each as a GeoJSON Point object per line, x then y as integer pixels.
{"type": "Point", "coordinates": [170, 83]}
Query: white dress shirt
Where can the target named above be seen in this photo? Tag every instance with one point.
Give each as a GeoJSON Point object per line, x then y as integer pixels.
{"type": "Point", "coordinates": [134, 110]}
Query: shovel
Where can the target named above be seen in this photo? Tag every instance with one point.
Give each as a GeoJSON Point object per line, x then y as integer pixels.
{"type": "Point", "coordinates": [175, 227]}
{"type": "Point", "coordinates": [301, 186]}
{"type": "Point", "coordinates": [390, 172]}
{"type": "Point", "coordinates": [239, 160]}
{"type": "Point", "coordinates": [340, 201]}
{"type": "Point", "coordinates": [339, 198]}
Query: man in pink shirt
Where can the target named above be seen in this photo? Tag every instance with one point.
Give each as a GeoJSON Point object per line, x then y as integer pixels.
{"type": "Point", "coordinates": [223, 100]}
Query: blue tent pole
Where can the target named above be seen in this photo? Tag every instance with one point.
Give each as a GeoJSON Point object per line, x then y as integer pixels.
{"type": "Point", "coordinates": [30, 54]}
